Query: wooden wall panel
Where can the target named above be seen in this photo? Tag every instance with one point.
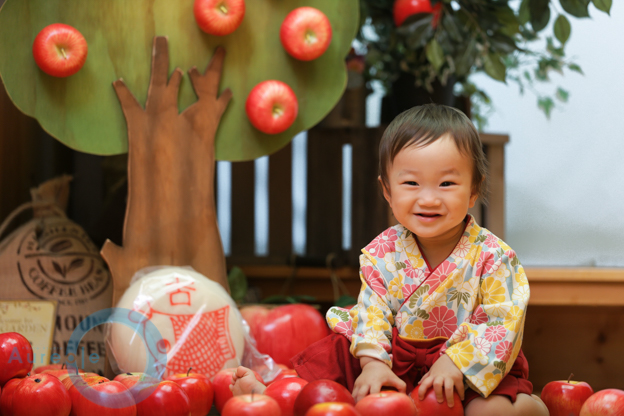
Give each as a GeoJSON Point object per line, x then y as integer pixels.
{"type": "Point", "coordinates": [585, 340]}
{"type": "Point", "coordinates": [280, 204]}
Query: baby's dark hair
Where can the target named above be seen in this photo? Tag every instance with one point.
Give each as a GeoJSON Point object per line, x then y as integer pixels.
{"type": "Point", "coordinates": [423, 125]}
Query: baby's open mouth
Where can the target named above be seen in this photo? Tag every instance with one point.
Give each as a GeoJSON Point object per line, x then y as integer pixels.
{"type": "Point", "coordinates": [422, 214]}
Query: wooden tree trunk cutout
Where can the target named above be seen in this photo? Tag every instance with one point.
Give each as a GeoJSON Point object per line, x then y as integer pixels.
{"type": "Point", "coordinates": [171, 215]}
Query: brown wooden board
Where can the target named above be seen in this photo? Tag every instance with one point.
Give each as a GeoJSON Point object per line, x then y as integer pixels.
{"type": "Point", "coordinates": [280, 203]}
{"type": "Point", "coordinates": [242, 209]}
{"type": "Point", "coordinates": [171, 215]}
{"type": "Point", "coordinates": [324, 213]}
{"type": "Point", "coordinates": [369, 208]}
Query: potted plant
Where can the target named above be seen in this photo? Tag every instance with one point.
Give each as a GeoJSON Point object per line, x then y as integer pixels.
{"type": "Point", "coordinates": [429, 48]}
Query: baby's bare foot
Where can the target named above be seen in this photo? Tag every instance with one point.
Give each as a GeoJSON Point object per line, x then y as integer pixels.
{"type": "Point", "coordinates": [244, 382]}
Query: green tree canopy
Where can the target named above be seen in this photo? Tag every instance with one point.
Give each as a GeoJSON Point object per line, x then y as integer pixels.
{"type": "Point", "coordinates": [83, 111]}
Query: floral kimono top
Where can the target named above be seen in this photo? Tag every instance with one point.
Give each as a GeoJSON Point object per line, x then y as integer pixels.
{"type": "Point", "coordinates": [476, 299]}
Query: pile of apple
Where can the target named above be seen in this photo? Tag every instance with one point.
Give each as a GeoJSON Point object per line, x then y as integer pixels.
{"type": "Point", "coordinates": [61, 50]}
{"type": "Point", "coordinates": [57, 391]}
{"type": "Point", "coordinates": [577, 398]}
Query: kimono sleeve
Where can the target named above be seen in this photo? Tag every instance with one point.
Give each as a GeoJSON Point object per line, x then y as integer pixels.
{"type": "Point", "coordinates": [372, 318]}
{"type": "Point", "coordinates": [485, 347]}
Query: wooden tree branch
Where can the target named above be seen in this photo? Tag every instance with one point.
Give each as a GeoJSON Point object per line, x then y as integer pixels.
{"type": "Point", "coordinates": [171, 215]}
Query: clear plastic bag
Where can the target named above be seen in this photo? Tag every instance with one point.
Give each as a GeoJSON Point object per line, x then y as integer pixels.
{"type": "Point", "coordinates": [199, 327]}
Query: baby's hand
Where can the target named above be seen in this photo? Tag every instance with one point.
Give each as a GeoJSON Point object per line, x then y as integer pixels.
{"type": "Point", "coordinates": [443, 376]}
{"type": "Point", "coordinates": [375, 375]}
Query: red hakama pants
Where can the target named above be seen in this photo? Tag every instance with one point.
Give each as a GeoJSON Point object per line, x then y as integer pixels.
{"type": "Point", "coordinates": [330, 359]}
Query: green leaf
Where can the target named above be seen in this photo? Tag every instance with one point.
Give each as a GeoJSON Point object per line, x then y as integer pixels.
{"type": "Point", "coordinates": [416, 295]}
{"type": "Point", "coordinates": [562, 29]}
{"type": "Point", "coordinates": [422, 314]}
{"type": "Point", "coordinates": [467, 59]}
{"type": "Point", "coordinates": [515, 262]}
{"type": "Point", "coordinates": [562, 95]}
{"type": "Point", "coordinates": [546, 104]}
{"type": "Point", "coordinates": [494, 66]}
{"type": "Point", "coordinates": [343, 315]}
{"type": "Point", "coordinates": [501, 366]}
{"type": "Point", "coordinates": [238, 283]}
{"type": "Point", "coordinates": [577, 8]}
{"type": "Point", "coordinates": [576, 68]}
{"type": "Point", "coordinates": [495, 323]}
{"type": "Point", "coordinates": [345, 300]}
{"type": "Point", "coordinates": [540, 13]}
{"type": "Point", "coordinates": [400, 265]}
{"type": "Point", "coordinates": [603, 5]}
{"type": "Point", "coordinates": [435, 54]}
{"type": "Point", "coordinates": [524, 14]}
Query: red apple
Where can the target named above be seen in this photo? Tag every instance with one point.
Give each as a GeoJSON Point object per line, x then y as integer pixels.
{"type": "Point", "coordinates": [306, 33]}
{"type": "Point", "coordinates": [321, 391]}
{"type": "Point", "coordinates": [430, 406]}
{"type": "Point", "coordinates": [287, 330]}
{"type": "Point", "coordinates": [334, 409]}
{"type": "Point", "coordinates": [609, 402]}
{"type": "Point", "coordinates": [6, 398]}
{"type": "Point", "coordinates": [219, 17]}
{"type": "Point", "coordinates": [163, 399]}
{"type": "Point", "coordinates": [285, 393]}
{"type": "Point", "coordinates": [41, 395]}
{"type": "Point", "coordinates": [60, 373]}
{"type": "Point", "coordinates": [386, 402]}
{"type": "Point", "coordinates": [251, 405]}
{"type": "Point", "coordinates": [60, 50]}
{"type": "Point", "coordinates": [403, 9]}
{"type": "Point", "coordinates": [221, 384]}
{"type": "Point", "coordinates": [16, 356]}
{"type": "Point", "coordinates": [102, 398]}
{"type": "Point", "coordinates": [272, 107]}
{"type": "Point", "coordinates": [285, 373]}
{"type": "Point", "coordinates": [199, 390]}
{"type": "Point", "coordinates": [565, 398]}
{"type": "Point", "coordinates": [130, 379]}
{"type": "Point", "coordinates": [70, 379]}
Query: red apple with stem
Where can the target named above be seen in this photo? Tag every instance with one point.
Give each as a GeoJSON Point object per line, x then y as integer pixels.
{"type": "Point", "coordinates": [16, 356]}
{"type": "Point", "coordinates": [162, 399]}
{"type": "Point", "coordinates": [285, 393]}
{"type": "Point", "coordinates": [101, 397]}
{"type": "Point", "coordinates": [429, 405]}
{"type": "Point", "coordinates": [386, 402]}
{"type": "Point", "coordinates": [403, 9]}
{"type": "Point", "coordinates": [306, 33]}
{"type": "Point", "coordinates": [272, 106]}
{"type": "Point", "coordinates": [60, 50]}
{"type": "Point", "coordinates": [251, 405]}
{"type": "Point", "coordinates": [609, 402]}
{"type": "Point", "coordinates": [6, 398]}
{"type": "Point", "coordinates": [41, 395]}
{"type": "Point", "coordinates": [219, 17]}
{"type": "Point", "coordinates": [199, 390]}
{"type": "Point", "coordinates": [565, 397]}
{"type": "Point", "coordinates": [321, 391]}
{"type": "Point", "coordinates": [334, 409]}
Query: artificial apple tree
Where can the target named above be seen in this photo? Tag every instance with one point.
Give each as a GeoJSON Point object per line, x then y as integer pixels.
{"type": "Point", "coordinates": [173, 129]}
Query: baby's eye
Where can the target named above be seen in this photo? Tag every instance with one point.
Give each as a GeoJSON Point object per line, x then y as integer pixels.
{"type": "Point", "coordinates": [447, 183]}
{"type": "Point", "coordinates": [410, 183]}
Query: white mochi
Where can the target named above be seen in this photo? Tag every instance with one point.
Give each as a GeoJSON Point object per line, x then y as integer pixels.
{"type": "Point", "coordinates": [199, 323]}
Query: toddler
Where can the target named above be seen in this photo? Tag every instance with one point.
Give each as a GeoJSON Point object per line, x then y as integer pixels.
{"type": "Point", "coordinates": [443, 300]}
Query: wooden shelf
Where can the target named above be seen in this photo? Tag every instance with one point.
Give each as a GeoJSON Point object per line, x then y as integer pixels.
{"type": "Point", "coordinates": [549, 286]}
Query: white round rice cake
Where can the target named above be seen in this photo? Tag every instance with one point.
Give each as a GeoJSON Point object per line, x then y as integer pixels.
{"type": "Point", "coordinates": [197, 319]}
